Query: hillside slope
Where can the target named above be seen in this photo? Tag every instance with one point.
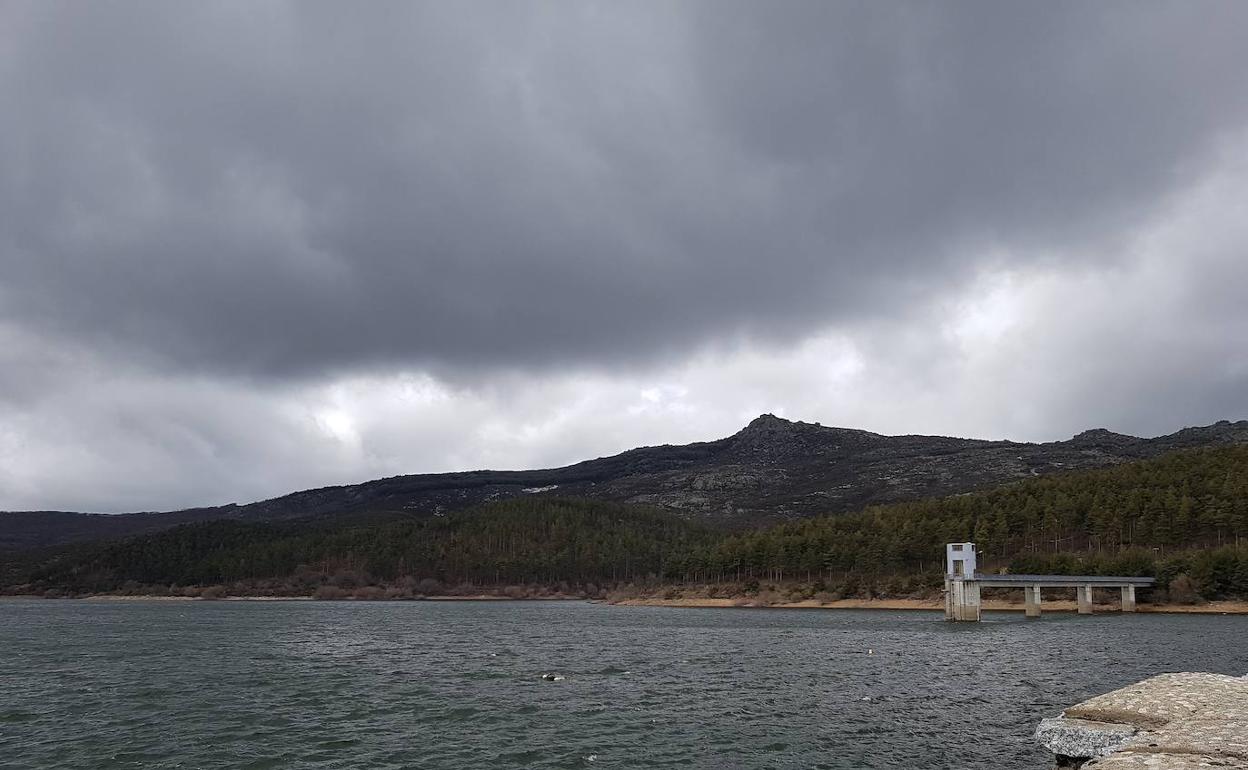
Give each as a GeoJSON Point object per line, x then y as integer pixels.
{"type": "Point", "coordinates": [772, 470]}
{"type": "Point", "coordinates": [1183, 513]}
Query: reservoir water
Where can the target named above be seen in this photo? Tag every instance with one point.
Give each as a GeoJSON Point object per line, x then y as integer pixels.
{"type": "Point", "coordinates": [132, 684]}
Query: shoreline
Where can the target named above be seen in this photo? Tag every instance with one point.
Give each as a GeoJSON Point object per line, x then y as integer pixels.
{"type": "Point", "coordinates": [740, 602]}
{"type": "Point", "coordinates": [991, 605]}
{"type": "Point", "coordinates": [164, 598]}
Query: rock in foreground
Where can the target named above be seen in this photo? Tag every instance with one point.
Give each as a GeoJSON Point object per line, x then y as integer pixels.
{"type": "Point", "coordinates": [1174, 721]}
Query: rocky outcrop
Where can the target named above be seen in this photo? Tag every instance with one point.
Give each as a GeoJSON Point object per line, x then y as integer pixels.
{"type": "Point", "coordinates": [1082, 739]}
{"type": "Point", "coordinates": [773, 469]}
{"type": "Point", "coordinates": [1173, 721]}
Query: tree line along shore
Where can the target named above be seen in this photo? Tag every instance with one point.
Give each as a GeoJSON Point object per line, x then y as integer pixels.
{"type": "Point", "coordinates": [1181, 518]}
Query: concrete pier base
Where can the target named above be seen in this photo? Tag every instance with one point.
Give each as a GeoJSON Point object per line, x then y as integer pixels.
{"type": "Point", "coordinates": [1085, 600]}
{"type": "Point", "coordinates": [1128, 598]}
{"type": "Point", "coordinates": [962, 600]}
{"type": "Point", "coordinates": [1031, 601]}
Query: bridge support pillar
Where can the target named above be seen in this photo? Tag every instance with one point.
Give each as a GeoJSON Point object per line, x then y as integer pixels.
{"type": "Point", "coordinates": [1031, 601]}
{"type": "Point", "coordinates": [1085, 599]}
{"type": "Point", "coordinates": [1128, 598]}
{"type": "Point", "coordinates": [962, 601]}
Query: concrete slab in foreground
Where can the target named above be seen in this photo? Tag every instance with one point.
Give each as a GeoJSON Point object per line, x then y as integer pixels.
{"type": "Point", "coordinates": [1168, 722]}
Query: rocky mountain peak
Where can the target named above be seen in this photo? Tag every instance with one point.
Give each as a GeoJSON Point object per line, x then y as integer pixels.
{"type": "Point", "coordinates": [1101, 435]}
{"type": "Point", "coordinates": [767, 422]}
{"type": "Point", "coordinates": [768, 428]}
{"type": "Point", "coordinates": [1222, 430]}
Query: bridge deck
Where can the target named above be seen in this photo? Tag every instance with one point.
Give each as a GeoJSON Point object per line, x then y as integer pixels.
{"type": "Point", "coordinates": [1059, 581]}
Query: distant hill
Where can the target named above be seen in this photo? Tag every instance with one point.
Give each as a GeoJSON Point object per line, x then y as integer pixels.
{"type": "Point", "coordinates": [1185, 513]}
{"type": "Point", "coordinates": [772, 470]}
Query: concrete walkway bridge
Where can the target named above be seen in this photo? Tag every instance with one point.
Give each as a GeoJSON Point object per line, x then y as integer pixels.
{"type": "Point", "coordinates": [963, 584]}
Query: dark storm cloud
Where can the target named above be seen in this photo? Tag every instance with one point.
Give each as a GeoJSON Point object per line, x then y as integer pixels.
{"type": "Point", "coordinates": [284, 190]}
{"type": "Point", "coordinates": [252, 247]}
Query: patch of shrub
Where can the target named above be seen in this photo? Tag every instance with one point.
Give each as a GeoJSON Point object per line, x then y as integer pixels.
{"type": "Point", "coordinates": [768, 598]}
{"type": "Point", "coordinates": [1183, 590]}
{"type": "Point", "coordinates": [516, 592]}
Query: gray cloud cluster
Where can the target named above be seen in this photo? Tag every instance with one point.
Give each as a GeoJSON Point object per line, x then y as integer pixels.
{"type": "Point", "coordinates": [235, 208]}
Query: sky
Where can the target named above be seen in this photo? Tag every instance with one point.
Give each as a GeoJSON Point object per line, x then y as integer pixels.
{"type": "Point", "coordinates": [253, 247]}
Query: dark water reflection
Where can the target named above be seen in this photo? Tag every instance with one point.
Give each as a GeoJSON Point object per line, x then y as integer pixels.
{"type": "Point", "coordinates": [457, 685]}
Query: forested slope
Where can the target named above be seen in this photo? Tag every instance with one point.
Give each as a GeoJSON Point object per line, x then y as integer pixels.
{"type": "Point", "coordinates": [1186, 512]}
{"type": "Point", "coordinates": [535, 540]}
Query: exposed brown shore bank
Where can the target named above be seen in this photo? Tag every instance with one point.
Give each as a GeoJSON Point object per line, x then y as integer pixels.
{"type": "Point", "coordinates": [1210, 608]}
{"type": "Point", "coordinates": [740, 602]}
{"type": "Point", "coordinates": [168, 598]}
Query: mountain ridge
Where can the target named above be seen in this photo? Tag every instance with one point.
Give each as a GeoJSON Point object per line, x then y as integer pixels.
{"type": "Point", "coordinates": [773, 469]}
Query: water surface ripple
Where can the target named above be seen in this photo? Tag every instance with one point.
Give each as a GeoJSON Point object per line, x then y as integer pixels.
{"type": "Point", "coordinates": [106, 684]}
